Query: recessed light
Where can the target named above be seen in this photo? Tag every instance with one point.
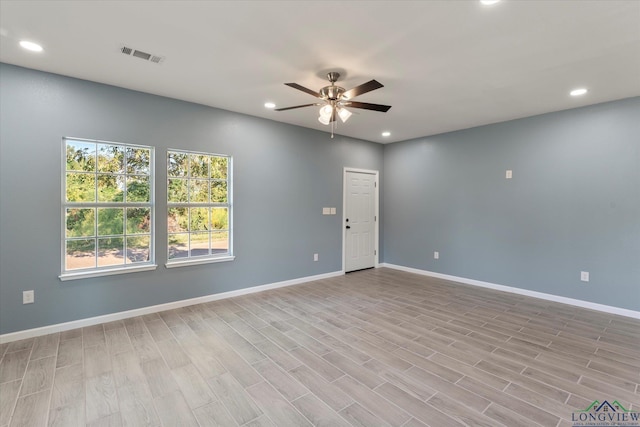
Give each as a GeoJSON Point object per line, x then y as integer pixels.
{"type": "Point", "coordinates": [386, 133]}
{"type": "Point", "coordinates": [269, 105]}
{"type": "Point", "coordinates": [34, 47]}
{"type": "Point", "coordinates": [578, 92]}
{"type": "Point", "coordinates": [489, 2]}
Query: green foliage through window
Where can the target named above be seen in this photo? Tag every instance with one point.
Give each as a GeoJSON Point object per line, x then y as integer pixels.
{"type": "Point", "coordinates": [108, 204]}
{"type": "Point", "coordinates": [199, 211]}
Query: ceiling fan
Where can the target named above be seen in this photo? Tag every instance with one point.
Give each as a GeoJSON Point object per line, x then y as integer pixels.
{"type": "Point", "coordinates": [335, 99]}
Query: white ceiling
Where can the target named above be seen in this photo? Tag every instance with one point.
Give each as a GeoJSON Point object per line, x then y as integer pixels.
{"type": "Point", "coordinates": [446, 65]}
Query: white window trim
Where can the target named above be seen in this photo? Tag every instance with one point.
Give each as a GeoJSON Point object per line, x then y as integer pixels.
{"type": "Point", "coordinates": [85, 274]}
{"type": "Point", "coordinates": [77, 274]}
{"type": "Point", "coordinates": [209, 259]}
{"type": "Point", "coordinates": [195, 261]}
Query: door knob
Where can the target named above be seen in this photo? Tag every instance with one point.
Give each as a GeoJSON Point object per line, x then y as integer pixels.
{"type": "Point", "coordinates": [348, 227]}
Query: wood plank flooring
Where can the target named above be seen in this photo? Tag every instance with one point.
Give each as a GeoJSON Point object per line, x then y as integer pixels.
{"type": "Point", "coordinates": [372, 348]}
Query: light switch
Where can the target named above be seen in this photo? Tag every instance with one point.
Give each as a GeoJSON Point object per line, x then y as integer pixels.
{"type": "Point", "coordinates": [28, 297]}
{"type": "Point", "coordinates": [509, 174]}
{"type": "Point", "coordinates": [333, 211]}
{"type": "Point", "coordinates": [326, 211]}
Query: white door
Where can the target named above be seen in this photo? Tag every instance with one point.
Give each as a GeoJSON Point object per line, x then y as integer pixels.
{"type": "Point", "coordinates": [360, 220]}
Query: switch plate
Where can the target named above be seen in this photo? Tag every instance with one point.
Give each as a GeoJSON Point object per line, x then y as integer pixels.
{"type": "Point", "coordinates": [326, 211]}
{"type": "Point", "coordinates": [315, 257]}
{"type": "Point", "coordinates": [584, 276]}
{"type": "Point", "coordinates": [436, 255]}
{"type": "Point", "coordinates": [28, 297]}
{"type": "Point", "coordinates": [333, 211]}
{"type": "Point", "coordinates": [509, 174]}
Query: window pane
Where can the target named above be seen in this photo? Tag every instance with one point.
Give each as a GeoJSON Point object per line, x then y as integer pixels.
{"type": "Point", "coordinates": [80, 254]}
{"type": "Point", "coordinates": [199, 244]}
{"type": "Point", "coordinates": [219, 192]}
{"type": "Point", "coordinates": [138, 220]}
{"type": "Point", "coordinates": [199, 165]}
{"type": "Point", "coordinates": [219, 242]}
{"type": "Point", "coordinates": [178, 246]}
{"type": "Point", "coordinates": [110, 158]}
{"type": "Point", "coordinates": [138, 249]}
{"type": "Point", "coordinates": [177, 164]}
{"type": "Point", "coordinates": [138, 189]}
{"type": "Point", "coordinates": [80, 222]}
{"type": "Point", "coordinates": [81, 156]}
{"type": "Point", "coordinates": [205, 211]}
{"type": "Point", "coordinates": [219, 166]}
{"type": "Point", "coordinates": [219, 219]}
{"type": "Point", "coordinates": [81, 187]}
{"type": "Point", "coordinates": [138, 160]}
{"type": "Point", "coordinates": [108, 194]}
{"type": "Point", "coordinates": [198, 190]}
{"type": "Point", "coordinates": [199, 219]}
{"type": "Point", "coordinates": [177, 190]}
{"type": "Point", "coordinates": [110, 251]}
{"type": "Point", "coordinates": [110, 188]}
{"type": "Point", "coordinates": [178, 220]}
{"type": "Point", "coordinates": [110, 221]}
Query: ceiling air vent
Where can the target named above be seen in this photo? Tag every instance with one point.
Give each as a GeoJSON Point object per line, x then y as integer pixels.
{"type": "Point", "coordinates": [142, 55]}
{"type": "Point", "coordinates": [129, 51]}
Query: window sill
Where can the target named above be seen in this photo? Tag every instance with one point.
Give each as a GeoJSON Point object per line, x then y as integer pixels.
{"type": "Point", "coordinates": [185, 263]}
{"type": "Point", "coordinates": [88, 274]}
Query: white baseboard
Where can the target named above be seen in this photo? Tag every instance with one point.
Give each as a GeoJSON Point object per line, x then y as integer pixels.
{"type": "Point", "coordinates": [549, 297]}
{"type": "Point", "coordinates": [81, 323]}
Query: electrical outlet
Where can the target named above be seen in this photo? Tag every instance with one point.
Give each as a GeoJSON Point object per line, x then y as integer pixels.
{"type": "Point", "coordinates": [28, 297]}
{"type": "Point", "coordinates": [584, 276]}
{"type": "Point", "coordinates": [436, 255]}
{"type": "Point", "coordinates": [315, 257]}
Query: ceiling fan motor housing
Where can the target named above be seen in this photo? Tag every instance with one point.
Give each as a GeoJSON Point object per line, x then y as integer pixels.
{"type": "Point", "coordinates": [331, 93]}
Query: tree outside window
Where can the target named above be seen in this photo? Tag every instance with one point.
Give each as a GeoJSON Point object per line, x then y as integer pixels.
{"type": "Point", "coordinates": [108, 205]}
{"type": "Point", "coordinates": [199, 205]}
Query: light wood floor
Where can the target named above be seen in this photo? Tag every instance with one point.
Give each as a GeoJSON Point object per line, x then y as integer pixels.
{"type": "Point", "coordinates": [372, 348]}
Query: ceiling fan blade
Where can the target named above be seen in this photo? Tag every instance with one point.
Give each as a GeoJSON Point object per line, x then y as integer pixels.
{"type": "Point", "coordinates": [295, 106]}
{"type": "Point", "coordinates": [367, 106]}
{"type": "Point", "coordinates": [363, 88]}
{"type": "Point", "coordinates": [304, 89]}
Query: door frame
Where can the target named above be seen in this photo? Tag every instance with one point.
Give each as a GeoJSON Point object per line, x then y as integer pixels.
{"type": "Point", "coordinates": [376, 213]}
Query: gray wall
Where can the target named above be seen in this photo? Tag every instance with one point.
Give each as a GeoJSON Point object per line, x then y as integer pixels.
{"type": "Point", "coordinates": [573, 203]}
{"type": "Point", "coordinates": [283, 176]}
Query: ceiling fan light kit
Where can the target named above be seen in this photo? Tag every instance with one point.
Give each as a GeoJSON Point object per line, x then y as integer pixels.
{"type": "Point", "coordinates": [326, 111]}
{"type": "Point", "coordinates": [344, 114]}
{"type": "Point", "coordinates": [336, 98]}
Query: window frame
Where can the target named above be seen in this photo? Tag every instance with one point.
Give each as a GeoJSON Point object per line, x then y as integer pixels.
{"type": "Point", "coordinates": [97, 271]}
{"type": "Point", "coordinates": [209, 258]}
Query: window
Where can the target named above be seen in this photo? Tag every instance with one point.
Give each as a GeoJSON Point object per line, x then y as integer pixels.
{"type": "Point", "coordinates": [107, 209]}
{"type": "Point", "coordinates": [199, 208]}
